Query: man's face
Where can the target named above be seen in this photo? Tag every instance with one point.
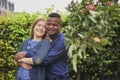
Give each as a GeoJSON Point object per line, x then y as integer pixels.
{"type": "Point", "coordinates": [53, 26]}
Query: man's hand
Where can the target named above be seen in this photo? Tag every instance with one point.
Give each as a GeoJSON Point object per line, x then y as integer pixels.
{"type": "Point", "coordinates": [26, 66]}
{"type": "Point", "coordinates": [20, 55]}
{"type": "Point", "coordinates": [16, 63]}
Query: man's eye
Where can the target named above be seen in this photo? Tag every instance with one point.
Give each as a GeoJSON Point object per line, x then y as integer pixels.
{"type": "Point", "coordinates": [48, 24]}
{"type": "Point", "coordinates": [54, 24]}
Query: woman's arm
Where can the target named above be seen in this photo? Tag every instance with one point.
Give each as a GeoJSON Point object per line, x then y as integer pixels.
{"type": "Point", "coordinates": [39, 56]}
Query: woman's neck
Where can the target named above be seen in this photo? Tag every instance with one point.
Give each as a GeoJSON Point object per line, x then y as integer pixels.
{"type": "Point", "coordinates": [37, 39]}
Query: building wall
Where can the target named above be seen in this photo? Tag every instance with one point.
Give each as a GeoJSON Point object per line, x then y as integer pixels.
{"type": "Point", "coordinates": [6, 6]}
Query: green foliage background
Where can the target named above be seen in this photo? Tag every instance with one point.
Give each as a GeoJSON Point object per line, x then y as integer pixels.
{"type": "Point", "coordinates": [14, 28]}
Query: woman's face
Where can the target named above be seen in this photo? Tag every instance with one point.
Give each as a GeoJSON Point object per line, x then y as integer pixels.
{"type": "Point", "coordinates": [39, 29]}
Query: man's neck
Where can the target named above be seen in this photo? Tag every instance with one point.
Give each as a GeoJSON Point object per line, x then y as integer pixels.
{"type": "Point", "coordinates": [54, 36]}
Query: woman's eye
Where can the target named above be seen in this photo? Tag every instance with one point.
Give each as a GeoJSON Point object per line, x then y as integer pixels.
{"type": "Point", "coordinates": [39, 25]}
{"type": "Point", "coordinates": [43, 26]}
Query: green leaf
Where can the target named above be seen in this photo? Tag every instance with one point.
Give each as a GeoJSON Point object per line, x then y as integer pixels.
{"type": "Point", "coordinates": [80, 53]}
{"type": "Point", "coordinates": [93, 13]}
{"type": "Point", "coordinates": [74, 62]}
{"type": "Point", "coordinates": [70, 51]}
{"type": "Point", "coordinates": [92, 19]}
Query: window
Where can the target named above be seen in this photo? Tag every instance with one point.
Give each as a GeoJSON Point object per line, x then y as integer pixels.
{"type": "Point", "coordinates": [0, 2]}
{"type": "Point", "coordinates": [0, 12]}
{"type": "Point", "coordinates": [11, 6]}
{"type": "Point", "coordinates": [3, 3]}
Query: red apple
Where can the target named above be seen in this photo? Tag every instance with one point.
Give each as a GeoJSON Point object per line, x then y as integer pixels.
{"type": "Point", "coordinates": [110, 3]}
{"type": "Point", "coordinates": [90, 7]}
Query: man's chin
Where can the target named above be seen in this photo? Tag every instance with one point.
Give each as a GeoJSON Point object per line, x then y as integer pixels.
{"type": "Point", "coordinates": [51, 33]}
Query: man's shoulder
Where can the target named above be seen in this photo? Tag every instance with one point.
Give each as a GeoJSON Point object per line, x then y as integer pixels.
{"type": "Point", "coordinates": [61, 37]}
{"type": "Point", "coordinates": [60, 40]}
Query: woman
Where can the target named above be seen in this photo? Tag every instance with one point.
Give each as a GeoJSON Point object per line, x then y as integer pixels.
{"type": "Point", "coordinates": [32, 52]}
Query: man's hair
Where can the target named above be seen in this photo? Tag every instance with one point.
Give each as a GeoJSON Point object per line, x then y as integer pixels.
{"type": "Point", "coordinates": [55, 15]}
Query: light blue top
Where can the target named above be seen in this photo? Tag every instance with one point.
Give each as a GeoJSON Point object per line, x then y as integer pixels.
{"type": "Point", "coordinates": [24, 74]}
{"type": "Point", "coordinates": [38, 51]}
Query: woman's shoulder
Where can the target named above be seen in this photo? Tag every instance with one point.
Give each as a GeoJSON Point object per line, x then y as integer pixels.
{"type": "Point", "coordinates": [46, 40]}
{"type": "Point", "coordinates": [26, 40]}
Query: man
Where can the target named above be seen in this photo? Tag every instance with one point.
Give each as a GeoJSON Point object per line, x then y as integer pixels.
{"type": "Point", "coordinates": [57, 58]}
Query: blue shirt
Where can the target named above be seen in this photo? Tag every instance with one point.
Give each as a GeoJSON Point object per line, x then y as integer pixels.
{"type": "Point", "coordinates": [24, 74]}
{"type": "Point", "coordinates": [37, 51]}
{"type": "Point", "coordinates": [57, 60]}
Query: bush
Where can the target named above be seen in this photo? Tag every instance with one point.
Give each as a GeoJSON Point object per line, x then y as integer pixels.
{"type": "Point", "coordinates": [94, 40]}
{"type": "Point", "coordinates": [14, 29]}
